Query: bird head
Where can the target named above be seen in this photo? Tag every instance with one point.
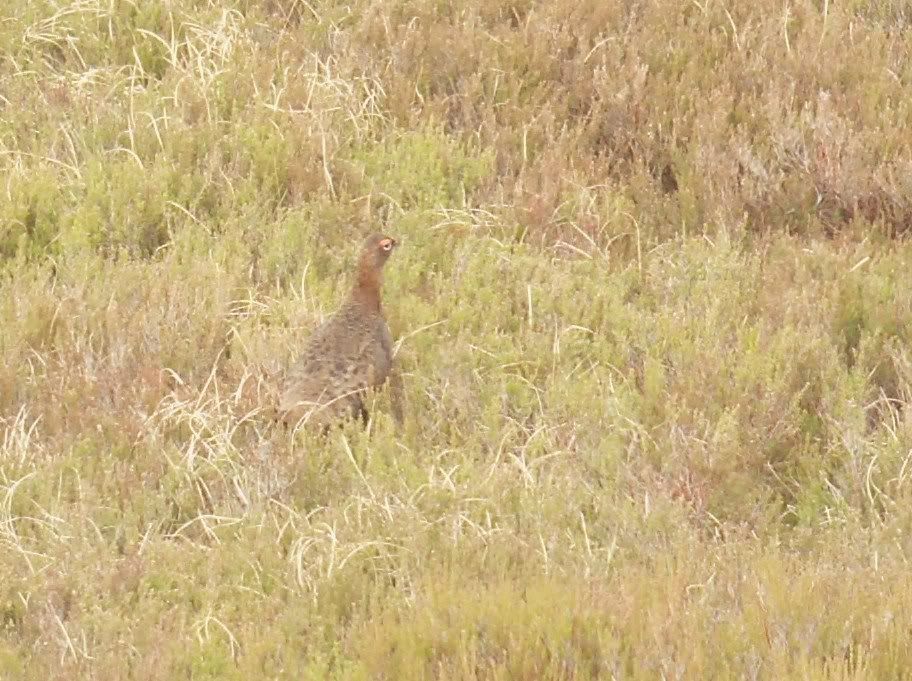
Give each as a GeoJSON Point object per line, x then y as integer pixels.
{"type": "Point", "coordinates": [375, 252]}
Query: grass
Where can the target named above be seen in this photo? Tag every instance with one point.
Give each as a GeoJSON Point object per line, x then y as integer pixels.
{"type": "Point", "coordinates": [652, 312]}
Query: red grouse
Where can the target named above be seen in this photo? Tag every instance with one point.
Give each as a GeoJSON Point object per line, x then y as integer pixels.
{"type": "Point", "coordinates": [348, 354]}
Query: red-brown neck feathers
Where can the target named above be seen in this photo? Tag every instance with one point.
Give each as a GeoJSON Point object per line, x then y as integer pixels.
{"type": "Point", "coordinates": [376, 250]}
{"type": "Point", "coordinates": [369, 281]}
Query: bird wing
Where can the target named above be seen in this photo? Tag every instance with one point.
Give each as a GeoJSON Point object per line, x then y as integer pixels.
{"type": "Point", "coordinates": [332, 367]}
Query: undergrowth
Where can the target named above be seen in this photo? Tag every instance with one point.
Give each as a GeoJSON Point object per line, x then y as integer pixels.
{"type": "Point", "coordinates": [651, 308]}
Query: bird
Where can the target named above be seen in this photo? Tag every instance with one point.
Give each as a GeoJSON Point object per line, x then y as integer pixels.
{"type": "Point", "coordinates": [350, 353]}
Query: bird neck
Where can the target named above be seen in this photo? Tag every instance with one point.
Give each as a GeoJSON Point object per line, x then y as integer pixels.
{"type": "Point", "coordinates": [367, 287]}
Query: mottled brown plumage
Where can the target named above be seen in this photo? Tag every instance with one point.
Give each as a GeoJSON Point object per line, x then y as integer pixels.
{"type": "Point", "coordinates": [349, 353]}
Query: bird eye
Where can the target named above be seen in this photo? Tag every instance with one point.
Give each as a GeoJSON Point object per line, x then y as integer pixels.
{"type": "Point", "coordinates": [386, 245]}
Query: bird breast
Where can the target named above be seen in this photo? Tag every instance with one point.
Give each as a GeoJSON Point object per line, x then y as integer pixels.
{"type": "Point", "coordinates": [383, 353]}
